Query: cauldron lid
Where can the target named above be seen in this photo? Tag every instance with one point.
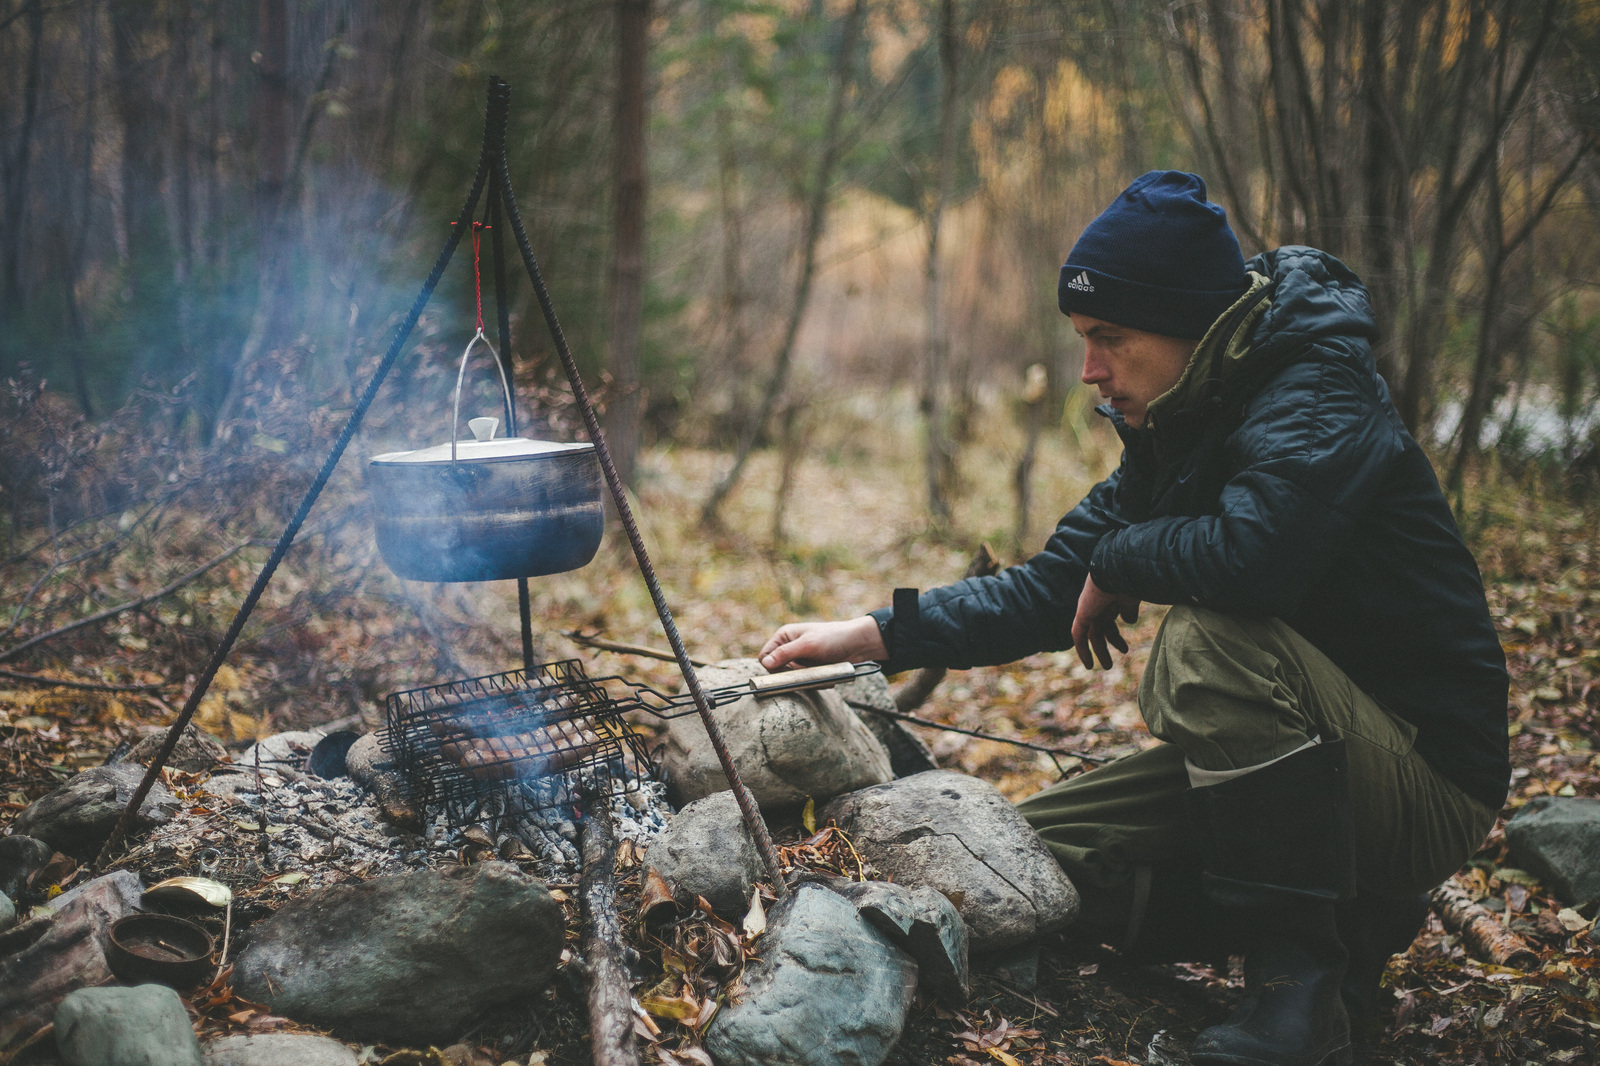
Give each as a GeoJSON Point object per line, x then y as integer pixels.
{"type": "Point", "coordinates": [499, 449]}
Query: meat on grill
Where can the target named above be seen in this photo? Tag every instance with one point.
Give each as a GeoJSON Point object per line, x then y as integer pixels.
{"type": "Point", "coordinates": [498, 758]}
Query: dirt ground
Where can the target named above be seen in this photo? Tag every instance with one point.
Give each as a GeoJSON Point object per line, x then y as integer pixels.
{"type": "Point", "coordinates": [336, 631]}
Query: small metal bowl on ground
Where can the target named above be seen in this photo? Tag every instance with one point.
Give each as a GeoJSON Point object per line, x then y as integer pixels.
{"type": "Point", "coordinates": [159, 947]}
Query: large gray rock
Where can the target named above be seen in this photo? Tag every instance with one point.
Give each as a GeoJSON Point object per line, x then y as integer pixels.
{"type": "Point", "coordinates": [959, 835]}
{"type": "Point", "coordinates": [786, 747]}
{"type": "Point", "coordinates": [828, 990]}
{"type": "Point", "coordinates": [20, 857]}
{"type": "Point", "coordinates": [279, 1049]}
{"type": "Point", "coordinates": [195, 752]}
{"type": "Point", "coordinates": [120, 891]}
{"type": "Point", "coordinates": [873, 703]}
{"type": "Point", "coordinates": [8, 912]}
{"type": "Point", "coordinates": [922, 923]}
{"type": "Point", "coordinates": [708, 850]}
{"type": "Point", "coordinates": [413, 958]}
{"type": "Point", "coordinates": [142, 1026]}
{"type": "Point", "coordinates": [1558, 838]}
{"type": "Point", "coordinates": [365, 758]}
{"type": "Point", "coordinates": [45, 958]}
{"type": "Point", "coordinates": [282, 751]}
{"type": "Point", "coordinates": [77, 817]}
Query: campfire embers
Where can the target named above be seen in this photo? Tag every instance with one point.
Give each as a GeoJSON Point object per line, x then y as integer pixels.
{"type": "Point", "coordinates": [508, 748]}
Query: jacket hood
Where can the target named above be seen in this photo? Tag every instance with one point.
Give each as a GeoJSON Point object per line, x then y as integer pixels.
{"type": "Point", "coordinates": [1315, 298]}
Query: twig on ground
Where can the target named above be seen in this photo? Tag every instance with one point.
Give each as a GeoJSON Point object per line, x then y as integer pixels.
{"type": "Point", "coordinates": [112, 612]}
{"type": "Point", "coordinates": [624, 648]}
{"type": "Point", "coordinates": [88, 686]}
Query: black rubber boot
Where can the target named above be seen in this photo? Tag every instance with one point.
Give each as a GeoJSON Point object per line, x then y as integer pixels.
{"type": "Point", "coordinates": [1279, 858]}
{"type": "Point", "coordinates": [1374, 929]}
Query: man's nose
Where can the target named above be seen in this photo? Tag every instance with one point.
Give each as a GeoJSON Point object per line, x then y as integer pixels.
{"type": "Point", "coordinates": [1094, 370]}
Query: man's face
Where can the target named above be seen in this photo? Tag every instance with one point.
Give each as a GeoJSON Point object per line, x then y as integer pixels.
{"type": "Point", "coordinates": [1129, 366]}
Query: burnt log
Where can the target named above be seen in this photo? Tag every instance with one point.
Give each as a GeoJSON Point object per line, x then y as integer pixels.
{"type": "Point", "coordinates": [604, 949]}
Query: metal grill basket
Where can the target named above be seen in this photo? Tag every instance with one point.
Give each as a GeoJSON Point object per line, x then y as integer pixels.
{"type": "Point", "coordinates": [513, 743]}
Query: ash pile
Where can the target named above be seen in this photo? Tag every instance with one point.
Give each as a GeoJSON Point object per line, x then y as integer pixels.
{"type": "Point", "coordinates": [345, 891]}
{"type": "Point", "coordinates": [318, 809]}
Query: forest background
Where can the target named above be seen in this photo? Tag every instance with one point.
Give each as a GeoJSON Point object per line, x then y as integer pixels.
{"type": "Point", "coordinates": [806, 252]}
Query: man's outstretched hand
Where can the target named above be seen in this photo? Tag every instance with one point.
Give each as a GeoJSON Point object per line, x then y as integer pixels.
{"type": "Point", "coordinates": [1095, 625]}
{"type": "Point", "coordinates": [855, 640]}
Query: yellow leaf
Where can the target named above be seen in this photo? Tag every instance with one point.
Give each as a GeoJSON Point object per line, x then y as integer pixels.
{"type": "Point", "coordinates": [657, 892]}
{"type": "Point", "coordinates": [808, 817]}
{"type": "Point", "coordinates": [1571, 920]}
{"type": "Point", "coordinates": [679, 1008]}
{"type": "Point", "coordinates": [1001, 1057]}
{"type": "Point", "coordinates": [755, 921]}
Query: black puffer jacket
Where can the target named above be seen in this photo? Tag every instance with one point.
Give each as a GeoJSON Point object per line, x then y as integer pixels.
{"type": "Point", "coordinates": [1283, 484]}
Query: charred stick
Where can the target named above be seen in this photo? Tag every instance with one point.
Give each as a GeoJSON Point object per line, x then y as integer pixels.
{"type": "Point", "coordinates": [610, 991]}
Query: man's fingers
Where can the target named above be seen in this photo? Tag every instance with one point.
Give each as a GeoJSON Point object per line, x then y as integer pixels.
{"type": "Point", "coordinates": [1115, 637]}
{"type": "Point", "coordinates": [1130, 614]}
{"type": "Point", "coordinates": [780, 650]}
{"type": "Point", "coordinates": [1098, 639]}
{"type": "Point", "coordinates": [1080, 641]}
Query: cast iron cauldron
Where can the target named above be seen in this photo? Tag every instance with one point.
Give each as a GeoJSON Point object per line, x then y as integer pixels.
{"type": "Point", "coordinates": [486, 509]}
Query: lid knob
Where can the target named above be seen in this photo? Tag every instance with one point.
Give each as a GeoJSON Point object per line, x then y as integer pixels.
{"type": "Point", "coordinates": [483, 428]}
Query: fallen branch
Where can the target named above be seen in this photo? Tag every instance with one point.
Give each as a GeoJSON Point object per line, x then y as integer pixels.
{"type": "Point", "coordinates": [1481, 931]}
{"type": "Point", "coordinates": [624, 648]}
{"type": "Point", "coordinates": [87, 686]}
{"type": "Point", "coordinates": [112, 612]}
{"type": "Point", "coordinates": [610, 991]}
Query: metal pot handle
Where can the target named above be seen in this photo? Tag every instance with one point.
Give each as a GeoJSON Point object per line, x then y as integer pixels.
{"type": "Point", "coordinates": [461, 372]}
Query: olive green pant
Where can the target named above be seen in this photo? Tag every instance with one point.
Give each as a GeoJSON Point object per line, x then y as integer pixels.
{"type": "Point", "coordinates": [1224, 693]}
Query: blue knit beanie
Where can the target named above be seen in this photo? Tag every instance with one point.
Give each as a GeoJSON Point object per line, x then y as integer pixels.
{"type": "Point", "coordinates": [1160, 259]}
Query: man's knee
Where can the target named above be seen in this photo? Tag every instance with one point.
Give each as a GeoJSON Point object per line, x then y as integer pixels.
{"type": "Point", "coordinates": [1192, 641]}
{"type": "Point", "coordinates": [1217, 687]}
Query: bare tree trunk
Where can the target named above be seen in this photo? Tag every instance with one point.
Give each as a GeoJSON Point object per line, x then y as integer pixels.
{"type": "Point", "coordinates": [1457, 188]}
{"type": "Point", "coordinates": [1035, 391]}
{"type": "Point", "coordinates": [816, 221]}
{"type": "Point", "coordinates": [139, 112]}
{"type": "Point", "coordinates": [272, 167]}
{"type": "Point", "coordinates": [11, 296]}
{"type": "Point", "coordinates": [625, 408]}
{"type": "Point", "coordinates": [178, 82]}
{"type": "Point", "coordinates": [939, 458]}
{"type": "Point", "coordinates": [796, 433]}
{"type": "Point", "coordinates": [1494, 334]}
{"type": "Point", "coordinates": [272, 113]}
{"type": "Point", "coordinates": [77, 331]}
{"type": "Point", "coordinates": [733, 290]}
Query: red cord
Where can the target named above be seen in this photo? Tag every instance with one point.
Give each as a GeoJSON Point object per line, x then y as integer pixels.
{"type": "Point", "coordinates": [477, 272]}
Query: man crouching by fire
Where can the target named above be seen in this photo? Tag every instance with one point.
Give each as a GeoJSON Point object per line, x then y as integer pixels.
{"type": "Point", "coordinates": [1327, 682]}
